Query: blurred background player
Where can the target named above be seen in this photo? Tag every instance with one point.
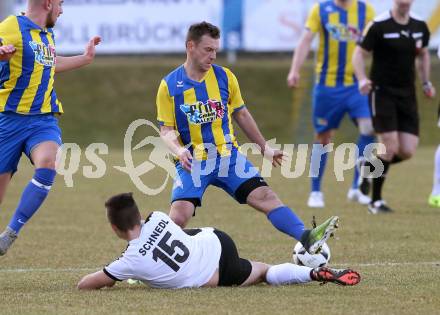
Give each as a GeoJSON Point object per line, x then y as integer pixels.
{"type": "Point", "coordinates": [199, 100]}
{"type": "Point", "coordinates": [162, 255]}
{"type": "Point", "coordinates": [29, 104]}
{"type": "Point", "coordinates": [434, 198]}
{"type": "Point", "coordinates": [339, 24]}
{"type": "Point", "coordinates": [396, 39]}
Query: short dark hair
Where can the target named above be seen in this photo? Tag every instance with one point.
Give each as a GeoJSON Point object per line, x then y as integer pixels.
{"type": "Point", "coordinates": [123, 212]}
{"type": "Point", "coordinates": [197, 30]}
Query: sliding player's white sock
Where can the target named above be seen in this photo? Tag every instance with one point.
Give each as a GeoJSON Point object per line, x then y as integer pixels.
{"type": "Point", "coordinates": [436, 186]}
{"type": "Point", "coordinates": [288, 274]}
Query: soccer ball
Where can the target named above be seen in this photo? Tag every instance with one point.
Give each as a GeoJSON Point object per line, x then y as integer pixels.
{"type": "Point", "coordinates": [303, 258]}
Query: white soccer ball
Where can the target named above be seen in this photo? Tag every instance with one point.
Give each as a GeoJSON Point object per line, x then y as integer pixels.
{"type": "Point", "coordinates": [303, 258]}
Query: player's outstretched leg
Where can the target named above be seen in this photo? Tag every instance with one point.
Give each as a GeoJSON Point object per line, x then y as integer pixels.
{"type": "Point", "coordinates": [313, 240]}
{"type": "Point", "coordinates": [338, 276]}
{"type": "Point", "coordinates": [288, 273]}
{"type": "Point", "coordinates": [286, 221]}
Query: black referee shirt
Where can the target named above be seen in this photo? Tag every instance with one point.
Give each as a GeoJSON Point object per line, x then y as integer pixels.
{"type": "Point", "coordinates": [394, 47]}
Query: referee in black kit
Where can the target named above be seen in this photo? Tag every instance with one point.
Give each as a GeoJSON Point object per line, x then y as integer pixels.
{"type": "Point", "coordinates": [396, 39]}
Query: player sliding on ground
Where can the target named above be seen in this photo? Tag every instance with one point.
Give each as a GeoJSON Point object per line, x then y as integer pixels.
{"type": "Point", "coordinates": [162, 255]}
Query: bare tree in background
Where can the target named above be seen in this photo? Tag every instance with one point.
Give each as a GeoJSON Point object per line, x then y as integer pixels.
{"type": "Point", "coordinates": [6, 8]}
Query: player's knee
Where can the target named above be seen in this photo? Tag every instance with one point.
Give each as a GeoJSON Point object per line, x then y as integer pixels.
{"type": "Point", "coordinates": [181, 212]}
{"type": "Point", "coordinates": [405, 153]}
{"type": "Point", "coordinates": [270, 195]}
{"type": "Point", "coordinates": [324, 138]}
{"type": "Point", "coordinates": [264, 199]}
{"type": "Point", "coordinates": [262, 270]}
{"type": "Point", "coordinates": [266, 194]}
{"type": "Point", "coordinates": [45, 162]}
{"type": "Point", "coordinates": [179, 218]}
{"type": "Point", "coordinates": [391, 150]}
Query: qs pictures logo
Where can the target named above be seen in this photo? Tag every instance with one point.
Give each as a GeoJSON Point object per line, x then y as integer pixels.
{"type": "Point", "coordinates": [159, 157]}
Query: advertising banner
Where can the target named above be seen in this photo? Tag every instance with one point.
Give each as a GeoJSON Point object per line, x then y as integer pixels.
{"type": "Point", "coordinates": [159, 26]}
{"type": "Point", "coordinates": [276, 25]}
{"type": "Point", "coordinates": [130, 26]}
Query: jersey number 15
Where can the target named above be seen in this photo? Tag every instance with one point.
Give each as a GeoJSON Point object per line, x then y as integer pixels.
{"type": "Point", "coordinates": [167, 251]}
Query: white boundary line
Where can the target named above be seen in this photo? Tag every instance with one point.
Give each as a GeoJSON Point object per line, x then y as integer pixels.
{"type": "Point", "coordinates": [383, 264]}
{"type": "Point", "coordinates": [390, 264]}
{"type": "Point", "coordinates": [24, 270]}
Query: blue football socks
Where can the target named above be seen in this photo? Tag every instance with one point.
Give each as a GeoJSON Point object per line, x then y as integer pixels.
{"type": "Point", "coordinates": [363, 141]}
{"type": "Point", "coordinates": [318, 162]}
{"type": "Point", "coordinates": [286, 221]}
{"type": "Point", "coordinates": [33, 197]}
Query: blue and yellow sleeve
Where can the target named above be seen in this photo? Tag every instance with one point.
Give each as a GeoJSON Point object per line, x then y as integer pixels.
{"type": "Point", "coordinates": [313, 22]}
{"type": "Point", "coordinates": [8, 31]}
{"type": "Point", "coordinates": [369, 16]}
{"type": "Point", "coordinates": [165, 106]}
{"type": "Point", "coordinates": [235, 99]}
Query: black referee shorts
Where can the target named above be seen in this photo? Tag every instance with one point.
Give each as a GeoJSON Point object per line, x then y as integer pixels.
{"type": "Point", "coordinates": [394, 109]}
{"type": "Point", "coordinates": [233, 270]}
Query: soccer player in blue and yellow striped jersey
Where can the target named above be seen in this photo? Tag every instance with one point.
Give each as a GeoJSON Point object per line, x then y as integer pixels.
{"type": "Point", "coordinates": [339, 24]}
{"type": "Point", "coordinates": [29, 104]}
{"type": "Point", "coordinates": [196, 104]}
{"type": "Point", "coordinates": [204, 111]}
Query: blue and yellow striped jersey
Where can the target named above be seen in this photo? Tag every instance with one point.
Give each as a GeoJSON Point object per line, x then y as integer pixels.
{"type": "Point", "coordinates": [201, 111]}
{"type": "Point", "coordinates": [339, 31]}
{"type": "Point", "coordinates": [26, 80]}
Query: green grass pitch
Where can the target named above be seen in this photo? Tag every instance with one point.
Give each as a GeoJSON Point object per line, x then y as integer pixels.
{"type": "Point", "coordinates": [397, 255]}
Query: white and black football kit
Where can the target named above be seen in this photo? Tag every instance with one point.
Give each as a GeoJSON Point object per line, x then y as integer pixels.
{"type": "Point", "coordinates": [394, 47]}
{"type": "Point", "coordinates": [165, 256]}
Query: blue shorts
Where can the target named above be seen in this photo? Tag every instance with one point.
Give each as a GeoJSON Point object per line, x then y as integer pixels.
{"type": "Point", "coordinates": [21, 133]}
{"type": "Point", "coordinates": [234, 174]}
{"type": "Point", "coordinates": [331, 103]}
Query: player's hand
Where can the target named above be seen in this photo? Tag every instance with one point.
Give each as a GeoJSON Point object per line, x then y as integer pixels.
{"type": "Point", "coordinates": [90, 50]}
{"type": "Point", "coordinates": [275, 156]}
{"type": "Point", "coordinates": [6, 52]}
{"type": "Point", "coordinates": [429, 89]}
{"type": "Point", "coordinates": [293, 79]}
{"type": "Point", "coordinates": [185, 158]}
{"type": "Point", "coordinates": [365, 86]}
